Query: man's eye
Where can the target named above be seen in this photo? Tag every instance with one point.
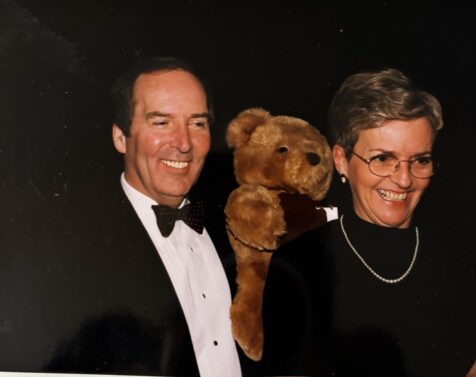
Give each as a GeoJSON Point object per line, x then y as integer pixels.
{"type": "Point", "coordinates": [200, 123]}
{"type": "Point", "coordinates": [160, 123]}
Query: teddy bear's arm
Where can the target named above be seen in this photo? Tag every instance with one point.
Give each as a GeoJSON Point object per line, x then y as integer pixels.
{"type": "Point", "coordinates": [255, 217]}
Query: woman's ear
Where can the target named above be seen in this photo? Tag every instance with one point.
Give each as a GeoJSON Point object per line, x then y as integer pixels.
{"type": "Point", "coordinates": [119, 139]}
{"type": "Point", "coordinates": [340, 160]}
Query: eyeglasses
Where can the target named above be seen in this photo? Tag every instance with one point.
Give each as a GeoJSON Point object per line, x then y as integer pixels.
{"type": "Point", "coordinates": [384, 165]}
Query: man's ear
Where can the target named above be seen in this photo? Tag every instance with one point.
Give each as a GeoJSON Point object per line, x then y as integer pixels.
{"type": "Point", "coordinates": [340, 160]}
{"type": "Point", "coordinates": [119, 139]}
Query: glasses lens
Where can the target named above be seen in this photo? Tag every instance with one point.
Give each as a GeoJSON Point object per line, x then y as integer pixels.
{"type": "Point", "coordinates": [383, 165]}
{"type": "Point", "coordinates": [422, 167]}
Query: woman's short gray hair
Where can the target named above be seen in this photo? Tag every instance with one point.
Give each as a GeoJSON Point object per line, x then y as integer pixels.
{"type": "Point", "coordinates": [369, 99]}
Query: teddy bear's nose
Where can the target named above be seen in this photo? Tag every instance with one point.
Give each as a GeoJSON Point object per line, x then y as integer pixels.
{"type": "Point", "coordinates": [313, 158]}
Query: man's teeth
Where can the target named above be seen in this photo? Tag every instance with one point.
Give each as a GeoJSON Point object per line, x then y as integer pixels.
{"type": "Point", "coordinates": [176, 164]}
{"type": "Point", "coordinates": [389, 195]}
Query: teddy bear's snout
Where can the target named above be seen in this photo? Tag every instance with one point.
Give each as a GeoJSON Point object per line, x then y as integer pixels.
{"type": "Point", "coordinates": [313, 158]}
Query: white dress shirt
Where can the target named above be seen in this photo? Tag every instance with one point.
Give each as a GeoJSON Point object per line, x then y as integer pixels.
{"type": "Point", "coordinates": [201, 285]}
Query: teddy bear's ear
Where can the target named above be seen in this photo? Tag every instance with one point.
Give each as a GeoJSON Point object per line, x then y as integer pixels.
{"type": "Point", "coordinates": [240, 129]}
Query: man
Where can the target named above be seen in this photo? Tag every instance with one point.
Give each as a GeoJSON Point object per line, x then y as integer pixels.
{"type": "Point", "coordinates": [152, 300]}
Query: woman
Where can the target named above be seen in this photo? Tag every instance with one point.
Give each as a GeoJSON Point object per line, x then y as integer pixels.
{"type": "Point", "coordinates": [384, 302]}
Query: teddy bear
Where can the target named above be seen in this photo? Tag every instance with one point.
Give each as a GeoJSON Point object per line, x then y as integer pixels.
{"type": "Point", "coordinates": [283, 166]}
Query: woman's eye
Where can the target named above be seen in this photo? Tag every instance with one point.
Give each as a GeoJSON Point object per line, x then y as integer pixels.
{"type": "Point", "coordinates": [382, 158]}
{"type": "Point", "coordinates": [282, 149]}
{"type": "Point", "coordinates": [424, 160]}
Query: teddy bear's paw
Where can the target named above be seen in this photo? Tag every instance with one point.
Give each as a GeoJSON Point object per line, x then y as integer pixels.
{"type": "Point", "coordinates": [248, 332]}
{"type": "Point", "coordinates": [269, 232]}
{"type": "Point", "coordinates": [261, 231]}
{"type": "Point", "coordinates": [255, 217]}
{"type": "Point", "coordinates": [253, 351]}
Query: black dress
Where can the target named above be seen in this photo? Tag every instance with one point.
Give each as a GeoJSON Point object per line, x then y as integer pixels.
{"type": "Point", "coordinates": [421, 326]}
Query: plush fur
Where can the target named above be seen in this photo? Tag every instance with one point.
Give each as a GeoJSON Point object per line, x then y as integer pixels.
{"type": "Point", "coordinates": [283, 166]}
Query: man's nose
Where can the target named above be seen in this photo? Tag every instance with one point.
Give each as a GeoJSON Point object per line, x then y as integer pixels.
{"type": "Point", "coordinates": [181, 138]}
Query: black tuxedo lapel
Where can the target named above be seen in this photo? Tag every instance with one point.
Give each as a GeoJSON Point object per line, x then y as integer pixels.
{"type": "Point", "coordinates": [129, 317]}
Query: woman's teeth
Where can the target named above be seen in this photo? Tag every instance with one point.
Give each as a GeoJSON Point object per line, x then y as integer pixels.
{"type": "Point", "coordinates": [390, 195]}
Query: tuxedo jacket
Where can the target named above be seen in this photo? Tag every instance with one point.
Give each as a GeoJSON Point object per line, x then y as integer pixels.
{"type": "Point", "coordinates": [32, 288]}
{"type": "Point", "coordinates": [85, 291]}
{"type": "Point", "coordinates": [124, 314]}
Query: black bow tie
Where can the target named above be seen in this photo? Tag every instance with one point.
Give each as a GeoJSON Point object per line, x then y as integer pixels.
{"type": "Point", "coordinates": [190, 214]}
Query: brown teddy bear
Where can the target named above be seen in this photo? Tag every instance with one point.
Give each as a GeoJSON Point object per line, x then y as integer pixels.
{"type": "Point", "coordinates": [283, 166]}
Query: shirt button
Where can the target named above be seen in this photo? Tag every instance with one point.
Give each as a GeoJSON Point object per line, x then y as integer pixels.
{"type": "Point", "coordinates": [215, 343]}
{"type": "Point", "coordinates": [204, 295]}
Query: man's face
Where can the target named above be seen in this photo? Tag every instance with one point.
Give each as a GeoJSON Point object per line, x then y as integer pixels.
{"type": "Point", "coordinates": [169, 136]}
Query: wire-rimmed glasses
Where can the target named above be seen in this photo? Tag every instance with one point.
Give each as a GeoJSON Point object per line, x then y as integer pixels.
{"type": "Point", "coordinates": [384, 165]}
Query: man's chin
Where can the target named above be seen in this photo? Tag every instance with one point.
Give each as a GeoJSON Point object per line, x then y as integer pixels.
{"type": "Point", "coordinates": [171, 198]}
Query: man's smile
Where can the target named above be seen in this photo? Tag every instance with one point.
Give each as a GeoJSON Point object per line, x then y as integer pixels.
{"type": "Point", "coordinates": [176, 164]}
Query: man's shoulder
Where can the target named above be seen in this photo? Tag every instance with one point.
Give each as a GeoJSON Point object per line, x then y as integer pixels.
{"type": "Point", "coordinates": [101, 199]}
{"type": "Point", "coordinates": [102, 214]}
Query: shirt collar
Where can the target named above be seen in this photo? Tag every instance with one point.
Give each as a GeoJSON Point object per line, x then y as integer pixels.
{"type": "Point", "coordinates": [138, 199]}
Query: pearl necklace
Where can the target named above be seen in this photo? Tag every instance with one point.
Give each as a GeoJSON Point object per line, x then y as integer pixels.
{"type": "Point", "coordinates": [385, 280]}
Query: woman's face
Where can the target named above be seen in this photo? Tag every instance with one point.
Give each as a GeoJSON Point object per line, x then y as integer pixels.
{"type": "Point", "coordinates": [387, 201]}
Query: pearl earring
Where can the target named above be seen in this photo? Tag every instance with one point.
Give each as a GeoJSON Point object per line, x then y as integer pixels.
{"type": "Point", "coordinates": [343, 179]}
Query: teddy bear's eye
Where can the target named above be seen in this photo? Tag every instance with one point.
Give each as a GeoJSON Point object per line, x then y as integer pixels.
{"type": "Point", "coordinates": [313, 158]}
{"type": "Point", "coordinates": [282, 149]}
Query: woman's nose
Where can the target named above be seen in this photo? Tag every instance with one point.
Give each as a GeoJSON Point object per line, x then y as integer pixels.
{"type": "Point", "coordinates": [402, 176]}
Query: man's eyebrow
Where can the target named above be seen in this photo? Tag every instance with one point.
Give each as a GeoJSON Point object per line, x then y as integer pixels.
{"type": "Point", "coordinates": [154, 114]}
{"type": "Point", "coordinates": [201, 115]}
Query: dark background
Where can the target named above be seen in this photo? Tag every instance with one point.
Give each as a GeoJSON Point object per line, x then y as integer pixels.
{"type": "Point", "coordinates": [58, 60]}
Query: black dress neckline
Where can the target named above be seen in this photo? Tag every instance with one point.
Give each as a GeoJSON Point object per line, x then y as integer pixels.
{"type": "Point", "coordinates": [388, 251]}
